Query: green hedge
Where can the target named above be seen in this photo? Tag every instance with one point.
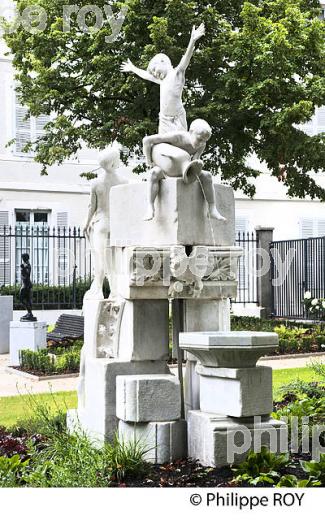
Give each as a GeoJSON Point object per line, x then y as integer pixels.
{"type": "Point", "coordinates": [294, 337]}
{"type": "Point", "coordinates": [52, 361]}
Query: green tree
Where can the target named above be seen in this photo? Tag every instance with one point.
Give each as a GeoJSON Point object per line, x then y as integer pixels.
{"type": "Point", "coordinates": [256, 76]}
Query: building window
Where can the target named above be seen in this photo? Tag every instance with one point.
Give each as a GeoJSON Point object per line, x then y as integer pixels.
{"type": "Point", "coordinates": [310, 227]}
{"type": "Point", "coordinates": [28, 128]}
{"type": "Point", "coordinates": [32, 237]}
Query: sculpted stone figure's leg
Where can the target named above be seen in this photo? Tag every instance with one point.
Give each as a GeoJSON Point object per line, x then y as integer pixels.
{"type": "Point", "coordinates": [156, 174]}
{"type": "Point", "coordinates": [208, 190]}
{"type": "Point", "coordinates": [99, 241]}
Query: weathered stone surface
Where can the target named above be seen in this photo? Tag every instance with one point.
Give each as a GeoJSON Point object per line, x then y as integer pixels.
{"type": "Point", "coordinates": [6, 314]}
{"type": "Point", "coordinates": [144, 331]}
{"type": "Point", "coordinates": [181, 216]}
{"type": "Point", "coordinates": [238, 392]}
{"type": "Point", "coordinates": [228, 349]}
{"type": "Point", "coordinates": [26, 335]}
{"type": "Point", "coordinates": [217, 440]}
{"type": "Point", "coordinates": [165, 441]}
{"type": "Point", "coordinates": [201, 315]}
{"type": "Point", "coordinates": [148, 398]}
{"type": "Point", "coordinates": [169, 271]}
{"type": "Point", "coordinates": [97, 416]}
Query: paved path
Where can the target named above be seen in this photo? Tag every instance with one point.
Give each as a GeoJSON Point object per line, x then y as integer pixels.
{"type": "Point", "coordinates": [10, 382]}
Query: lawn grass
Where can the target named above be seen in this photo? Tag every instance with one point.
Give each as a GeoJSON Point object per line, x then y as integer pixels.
{"type": "Point", "coordinates": [18, 407]}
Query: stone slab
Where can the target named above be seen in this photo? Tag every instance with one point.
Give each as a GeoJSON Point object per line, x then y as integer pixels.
{"type": "Point", "coordinates": [163, 441]}
{"type": "Point", "coordinates": [239, 392]}
{"type": "Point", "coordinates": [144, 331]}
{"type": "Point", "coordinates": [181, 216]}
{"type": "Point", "coordinates": [217, 440]}
{"type": "Point", "coordinates": [230, 339]}
{"type": "Point", "coordinates": [228, 349]}
{"type": "Point", "coordinates": [97, 409]}
{"type": "Point", "coordinates": [26, 335]}
{"type": "Point", "coordinates": [6, 316]}
{"type": "Point", "coordinates": [148, 398]}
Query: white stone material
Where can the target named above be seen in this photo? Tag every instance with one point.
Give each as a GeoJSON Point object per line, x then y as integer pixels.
{"type": "Point", "coordinates": [238, 392]}
{"type": "Point", "coordinates": [6, 316]}
{"type": "Point", "coordinates": [97, 225]}
{"type": "Point", "coordinates": [228, 349]}
{"type": "Point", "coordinates": [164, 441]}
{"type": "Point", "coordinates": [204, 273]}
{"type": "Point", "coordinates": [181, 216]}
{"type": "Point", "coordinates": [144, 331]}
{"type": "Point", "coordinates": [26, 335]}
{"type": "Point", "coordinates": [216, 440]}
{"type": "Point", "coordinates": [148, 398]}
{"type": "Point", "coordinates": [201, 315]}
{"type": "Point", "coordinates": [97, 410]}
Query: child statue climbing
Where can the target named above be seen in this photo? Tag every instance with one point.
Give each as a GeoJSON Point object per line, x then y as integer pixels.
{"type": "Point", "coordinates": [172, 115]}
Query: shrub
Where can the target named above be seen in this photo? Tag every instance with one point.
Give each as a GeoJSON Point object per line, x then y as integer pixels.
{"type": "Point", "coordinates": [259, 468]}
{"type": "Point", "coordinates": [293, 481]}
{"type": "Point", "coordinates": [65, 360]}
{"type": "Point", "coordinates": [11, 470]}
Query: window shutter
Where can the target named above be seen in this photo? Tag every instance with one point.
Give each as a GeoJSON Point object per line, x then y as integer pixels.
{"type": "Point", "coordinates": [23, 128]}
{"type": "Point", "coordinates": [241, 225]}
{"type": "Point", "coordinates": [307, 228]}
{"type": "Point", "coordinates": [40, 123]}
{"type": "Point", "coordinates": [62, 219]}
{"type": "Point", "coordinates": [4, 249]}
{"type": "Point", "coordinates": [321, 228]}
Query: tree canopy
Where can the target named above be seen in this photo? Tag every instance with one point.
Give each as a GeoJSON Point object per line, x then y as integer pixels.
{"type": "Point", "coordinates": [256, 76]}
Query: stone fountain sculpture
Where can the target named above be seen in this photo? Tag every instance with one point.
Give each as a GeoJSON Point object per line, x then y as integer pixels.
{"type": "Point", "coordinates": [183, 248]}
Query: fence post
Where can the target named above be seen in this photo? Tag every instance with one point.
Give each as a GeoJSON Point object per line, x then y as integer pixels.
{"type": "Point", "coordinates": [264, 236]}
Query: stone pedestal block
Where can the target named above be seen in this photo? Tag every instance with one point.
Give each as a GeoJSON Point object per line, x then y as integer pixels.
{"type": "Point", "coordinates": [96, 412]}
{"type": "Point", "coordinates": [6, 315]}
{"type": "Point", "coordinates": [148, 398]}
{"type": "Point", "coordinates": [143, 333]}
{"type": "Point", "coordinates": [201, 315]}
{"type": "Point", "coordinates": [238, 392]}
{"type": "Point", "coordinates": [217, 440]}
{"type": "Point", "coordinates": [164, 441]}
{"type": "Point", "coordinates": [229, 349]}
{"type": "Point", "coordinates": [26, 335]}
{"type": "Point", "coordinates": [181, 216]}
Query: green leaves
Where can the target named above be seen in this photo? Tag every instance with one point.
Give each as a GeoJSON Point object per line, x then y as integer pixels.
{"type": "Point", "coordinates": [256, 76]}
{"type": "Point", "coordinates": [315, 469]}
{"type": "Point", "coordinates": [261, 467]}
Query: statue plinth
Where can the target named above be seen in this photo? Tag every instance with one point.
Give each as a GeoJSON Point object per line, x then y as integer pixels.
{"type": "Point", "coordinates": [181, 216]}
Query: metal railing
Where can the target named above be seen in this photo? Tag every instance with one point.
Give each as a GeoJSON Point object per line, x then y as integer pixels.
{"type": "Point", "coordinates": [60, 261]}
{"type": "Point", "coordinates": [297, 266]}
{"type": "Point", "coordinates": [247, 282]}
{"type": "Point", "coordinates": [62, 268]}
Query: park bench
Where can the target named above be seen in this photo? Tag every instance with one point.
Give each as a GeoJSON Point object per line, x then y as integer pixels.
{"type": "Point", "coordinates": [68, 329]}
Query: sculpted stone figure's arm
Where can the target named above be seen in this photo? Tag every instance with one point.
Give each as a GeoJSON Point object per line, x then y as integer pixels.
{"type": "Point", "coordinates": [195, 36]}
{"type": "Point", "coordinates": [198, 153]}
{"type": "Point", "coordinates": [127, 66]}
{"type": "Point", "coordinates": [91, 210]}
{"type": "Point", "coordinates": [150, 140]}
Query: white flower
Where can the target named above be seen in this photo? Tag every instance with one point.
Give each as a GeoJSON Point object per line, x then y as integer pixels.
{"type": "Point", "coordinates": [307, 295]}
{"type": "Point", "coordinates": [317, 307]}
{"type": "Point", "coordinates": [314, 301]}
{"type": "Point", "coordinates": [323, 304]}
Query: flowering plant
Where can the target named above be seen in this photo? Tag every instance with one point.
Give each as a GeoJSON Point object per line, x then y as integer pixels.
{"type": "Point", "coordinates": [314, 305]}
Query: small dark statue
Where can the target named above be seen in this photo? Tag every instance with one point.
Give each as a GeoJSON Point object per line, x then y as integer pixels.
{"type": "Point", "coordinates": [26, 288]}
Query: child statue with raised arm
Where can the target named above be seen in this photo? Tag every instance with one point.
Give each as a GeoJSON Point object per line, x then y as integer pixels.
{"type": "Point", "coordinates": [172, 115]}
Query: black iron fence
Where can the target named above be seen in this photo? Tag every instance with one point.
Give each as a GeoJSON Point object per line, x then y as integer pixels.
{"type": "Point", "coordinates": [62, 268]}
{"type": "Point", "coordinates": [247, 282]}
{"type": "Point", "coordinates": [60, 260]}
{"type": "Point", "coordinates": [297, 266]}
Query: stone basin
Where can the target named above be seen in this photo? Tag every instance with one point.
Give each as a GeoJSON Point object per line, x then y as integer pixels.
{"type": "Point", "coordinates": [238, 349]}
